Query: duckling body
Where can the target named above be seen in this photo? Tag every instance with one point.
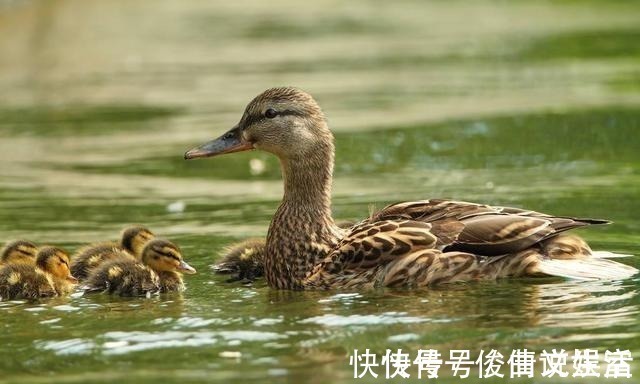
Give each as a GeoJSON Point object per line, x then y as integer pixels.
{"type": "Point", "coordinates": [159, 271]}
{"type": "Point", "coordinates": [19, 251]}
{"type": "Point", "coordinates": [88, 258]}
{"type": "Point", "coordinates": [132, 241]}
{"type": "Point", "coordinates": [415, 243]}
{"type": "Point", "coordinates": [170, 282]}
{"type": "Point", "coordinates": [50, 276]}
{"type": "Point", "coordinates": [24, 281]}
{"type": "Point", "coordinates": [125, 277]}
{"type": "Point", "coordinates": [244, 259]}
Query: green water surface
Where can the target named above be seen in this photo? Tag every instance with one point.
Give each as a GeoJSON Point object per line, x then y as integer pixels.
{"type": "Point", "coordinates": [523, 103]}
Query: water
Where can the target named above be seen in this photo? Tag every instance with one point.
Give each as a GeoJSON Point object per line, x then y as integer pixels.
{"type": "Point", "coordinates": [512, 103]}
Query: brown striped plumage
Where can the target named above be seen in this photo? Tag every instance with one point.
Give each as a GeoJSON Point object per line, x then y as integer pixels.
{"type": "Point", "coordinates": [416, 243]}
{"type": "Point", "coordinates": [158, 271]}
{"type": "Point", "coordinates": [130, 246]}
{"type": "Point", "coordinates": [18, 251]}
{"type": "Point", "coordinates": [245, 259]}
{"type": "Point", "coordinates": [48, 276]}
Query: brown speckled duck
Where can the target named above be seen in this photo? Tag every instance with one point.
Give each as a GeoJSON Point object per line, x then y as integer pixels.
{"type": "Point", "coordinates": [132, 242]}
{"type": "Point", "coordinates": [245, 259]}
{"type": "Point", "coordinates": [408, 244]}
{"type": "Point", "coordinates": [18, 251]}
{"type": "Point", "coordinates": [158, 271]}
{"type": "Point", "coordinates": [50, 276]}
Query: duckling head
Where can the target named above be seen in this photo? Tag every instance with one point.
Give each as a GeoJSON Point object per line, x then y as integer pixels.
{"type": "Point", "coordinates": [55, 262]}
{"type": "Point", "coordinates": [19, 251]}
{"type": "Point", "coordinates": [134, 238]}
{"type": "Point", "coordinates": [164, 256]}
{"type": "Point", "coordinates": [285, 121]}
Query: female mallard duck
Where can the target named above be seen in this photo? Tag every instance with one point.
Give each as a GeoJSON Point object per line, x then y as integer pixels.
{"type": "Point", "coordinates": [132, 241]}
{"type": "Point", "coordinates": [50, 276]}
{"type": "Point", "coordinates": [245, 259]}
{"type": "Point", "coordinates": [159, 271]}
{"type": "Point", "coordinates": [416, 243]}
{"type": "Point", "coordinates": [19, 251]}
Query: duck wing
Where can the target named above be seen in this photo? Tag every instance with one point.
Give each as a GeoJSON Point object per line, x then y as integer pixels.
{"type": "Point", "coordinates": [487, 230]}
{"type": "Point", "coordinates": [369, 247]}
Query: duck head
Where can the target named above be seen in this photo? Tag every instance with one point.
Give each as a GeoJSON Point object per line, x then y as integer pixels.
{"type": "Point", "coordinates": [284, 121]}
{"type": "Point", "coordinates": [134, 238]}
{"type": "Point", "coordinates": [164, 256]}
{"type": "Point", "coordinates": [55, 262]}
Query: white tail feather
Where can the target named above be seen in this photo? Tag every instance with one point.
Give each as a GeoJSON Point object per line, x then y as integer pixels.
{"type": "Point", "coordinates": [608, 255]}
{"type": "Point", "coordinates": [587, 269]}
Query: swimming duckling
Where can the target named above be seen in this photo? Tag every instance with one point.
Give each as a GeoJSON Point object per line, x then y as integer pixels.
{"type": "Point", "coordinates": [49, 277]}
{"type": "Point", "coordinates": [159, 271]}
{"type": "Point", "coordinates": [132, 241]}
{"type": "Point", "coordinates": [244, 259]}
{"type": "Point", "coordinates": [19, 251]}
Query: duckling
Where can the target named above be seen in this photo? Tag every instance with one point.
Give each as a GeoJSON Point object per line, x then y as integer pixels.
{"type": "Point", "coordinates": [49, 277]}
{"type": "Point", "coordinates": [19, 251]}
{"type": "Point", "coordinates": [159, 271]}
{"type": "Point", "coordinates": [132, 241]}
{"type": "Point", "coordinates": [415, 243]}
{"type": "Point", "coordinates": [244, 259]}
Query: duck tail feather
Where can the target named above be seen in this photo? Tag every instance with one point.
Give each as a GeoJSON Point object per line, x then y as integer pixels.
{"type": "Point", "coordinates": [587, 269]}
{"type": "Point", "coordinates": [608, 255]}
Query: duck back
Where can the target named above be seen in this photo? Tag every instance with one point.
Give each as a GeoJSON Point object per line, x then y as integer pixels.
{"type": "Point", "coordinates": [23, 281]}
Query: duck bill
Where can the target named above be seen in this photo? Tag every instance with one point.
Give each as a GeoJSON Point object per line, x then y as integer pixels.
{"type": "Point", "coordinates": [228, 143]}
{"type": "Point", "coordinates": [72, 279]}
{"type": "Point", "coordinates": [186, 268]}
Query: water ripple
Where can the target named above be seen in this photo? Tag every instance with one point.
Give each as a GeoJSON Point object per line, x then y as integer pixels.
{"type": "Point", "coordinates": [332, 320]}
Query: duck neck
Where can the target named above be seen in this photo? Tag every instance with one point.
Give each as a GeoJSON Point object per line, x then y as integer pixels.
{"type": "Point", "coordinates": [302, 231]}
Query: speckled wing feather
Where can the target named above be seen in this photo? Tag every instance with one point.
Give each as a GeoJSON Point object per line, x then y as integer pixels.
{"type": "Point", "coordinates": [488, 230]}
{"type": "Point", "coordinates": [368, 248]}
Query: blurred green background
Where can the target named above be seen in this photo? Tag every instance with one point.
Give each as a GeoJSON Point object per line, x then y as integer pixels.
{"type": "Point", "coordinates": [522, 103]}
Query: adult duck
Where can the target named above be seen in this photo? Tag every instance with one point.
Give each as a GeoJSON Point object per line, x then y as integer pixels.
{"type": "Point", "coordinates": [416, 243]}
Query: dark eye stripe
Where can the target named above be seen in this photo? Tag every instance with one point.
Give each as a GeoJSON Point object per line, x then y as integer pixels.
{"type": "Point", "coordinates": [167, 254]}
{"type": "Point", "coordinates": [254, 118]}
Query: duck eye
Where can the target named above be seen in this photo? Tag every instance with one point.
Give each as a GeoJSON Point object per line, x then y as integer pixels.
{"type": "Point", "coordinates": [270, 113]}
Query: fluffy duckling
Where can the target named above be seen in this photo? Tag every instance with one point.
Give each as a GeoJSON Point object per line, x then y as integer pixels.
{"type": "Point", "coordinates": [159, 271]}
{"type": "Point", "coordinates": [49, 277]}
{"type": "Point", "coordinates": [132, 241]}
{"type": "Point", "coordinates": [19, 251]}
{"type": "Point", "coordinates": [244, 259]}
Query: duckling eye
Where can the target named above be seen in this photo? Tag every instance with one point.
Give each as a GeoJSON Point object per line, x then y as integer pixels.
{"type": "Point", "coordinates": [270, 113]}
